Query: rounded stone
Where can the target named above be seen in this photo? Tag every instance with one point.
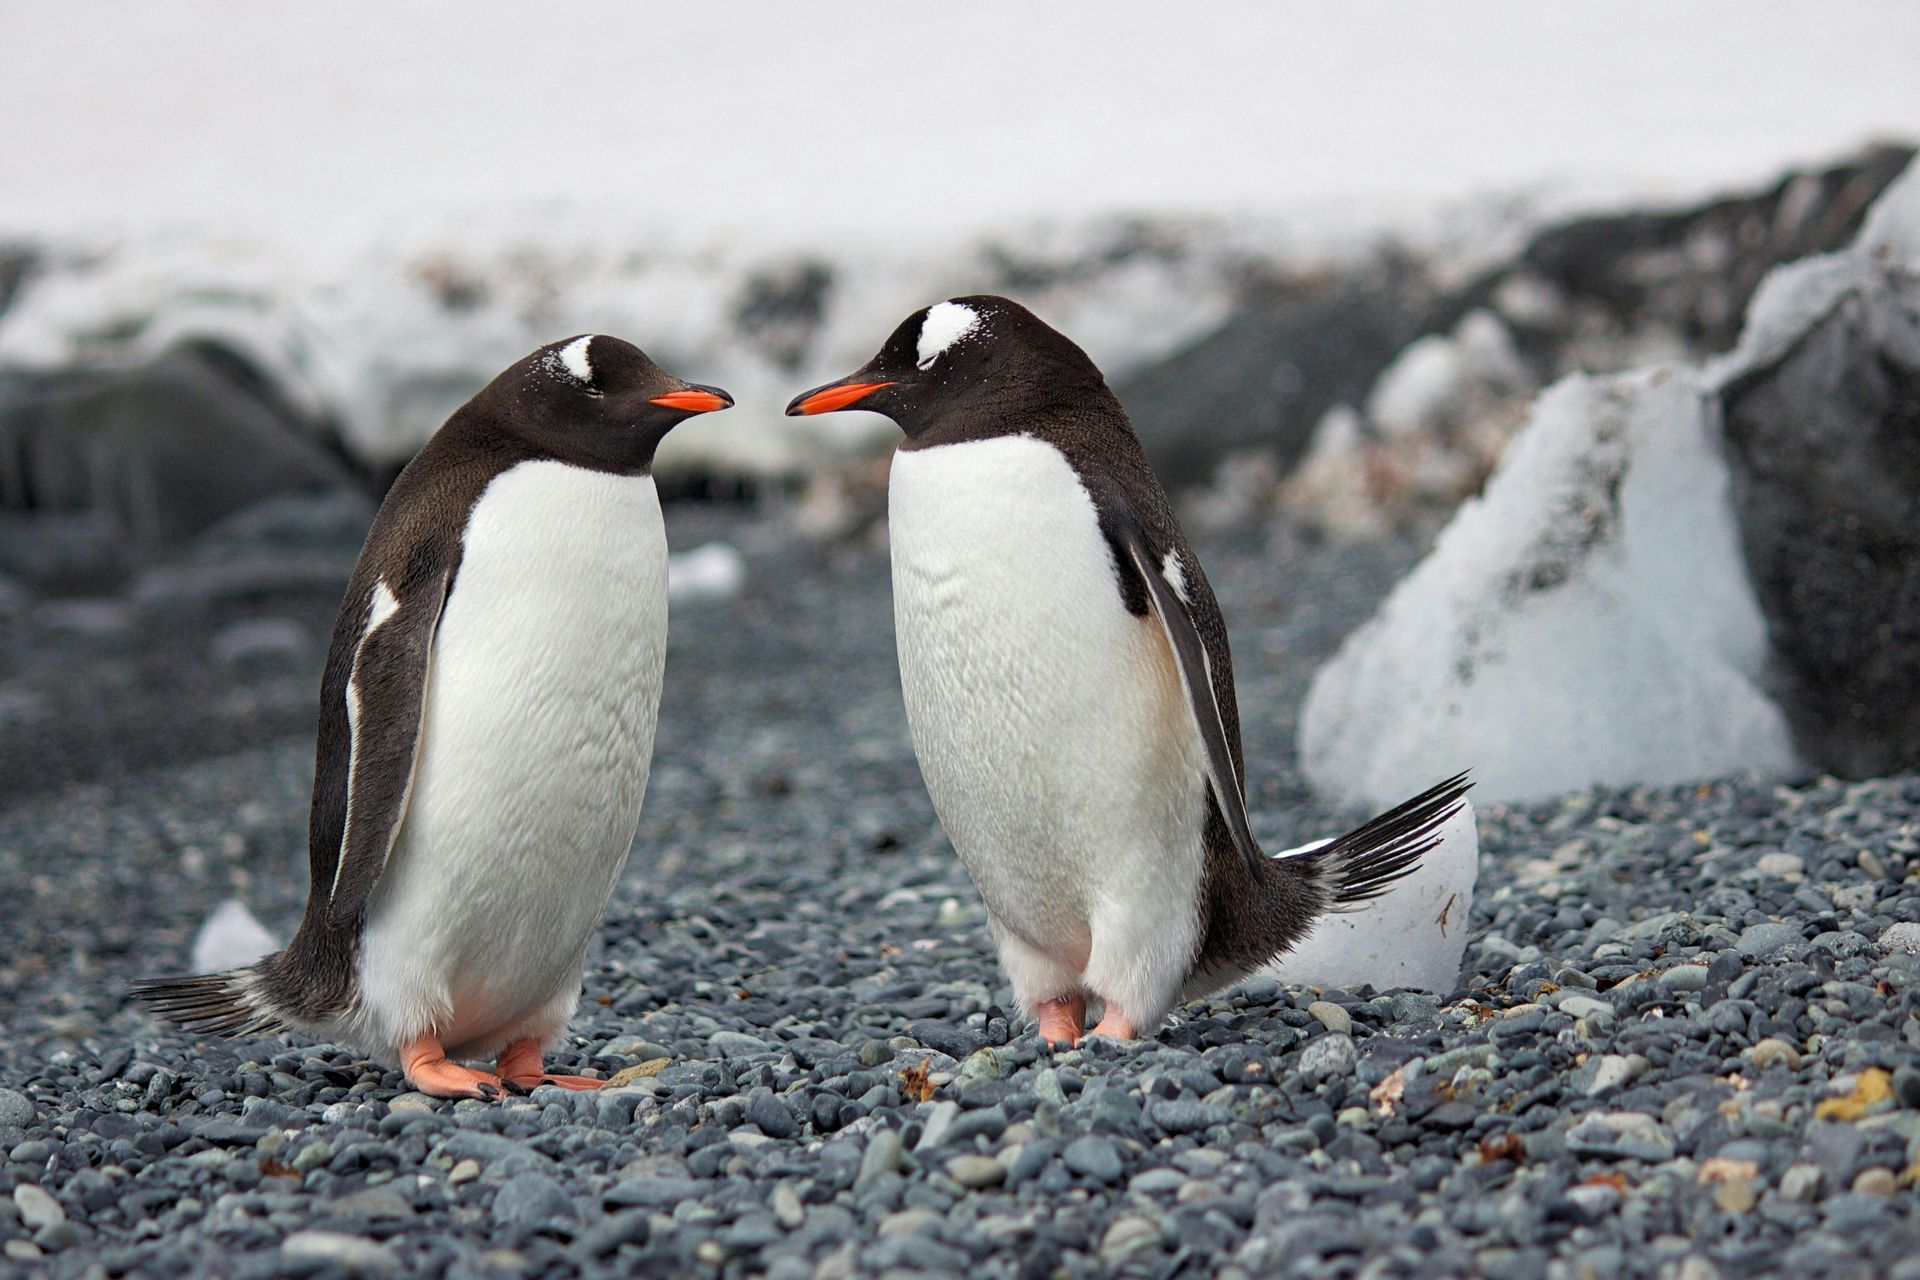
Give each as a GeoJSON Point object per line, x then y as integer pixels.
{"type": "Point", "coordinates": [1331, 1016]}
{"type": "Point", "coordinates": [16, 1109]}
{"type": "Point", "coordinates": [976, 1171]}
{"type": "Point", "coordinates": [1332, 1054]}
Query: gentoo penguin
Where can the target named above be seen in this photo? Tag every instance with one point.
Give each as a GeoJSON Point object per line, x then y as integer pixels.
{"type": "Point", "coordinates": [1068, 685]}
{"type": "Point", "coordinates": [486, 727]}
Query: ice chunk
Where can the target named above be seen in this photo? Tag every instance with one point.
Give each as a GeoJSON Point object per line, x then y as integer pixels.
{"type": "Point", "coordinates": [1411, 936]}
{"type": "Point", "coordinates": [230, 939]}
{"type": "Point", "coordinates": [716, 571]}
{"type": "Point", "coordinates": [1589, 619]}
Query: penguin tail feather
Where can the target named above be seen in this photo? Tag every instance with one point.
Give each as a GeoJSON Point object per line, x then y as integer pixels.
{"type": "Point", "coordinates": [234, 1003]}
{"type": "Point", "coordinates": [1365, 862]}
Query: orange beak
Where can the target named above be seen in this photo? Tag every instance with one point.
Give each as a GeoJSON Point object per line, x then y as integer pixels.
{"type": "Point", "coordinates": [838, 396]}
{"type": "Point", "coordinates": [695, 400]}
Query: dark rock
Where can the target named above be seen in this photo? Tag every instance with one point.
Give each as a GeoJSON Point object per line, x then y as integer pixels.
{"type": "Point", "coordinates": [102, 470]}
{"type": "Point", "coordinates": [1825, 451]}
{"type": "Point", "coordinates": [1267, 375]}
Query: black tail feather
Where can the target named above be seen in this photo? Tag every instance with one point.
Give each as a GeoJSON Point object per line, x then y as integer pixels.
{"type": "Point", "coordinates": [215, 1004]}
{"type": "Point", "coordinates": [1365, 862]}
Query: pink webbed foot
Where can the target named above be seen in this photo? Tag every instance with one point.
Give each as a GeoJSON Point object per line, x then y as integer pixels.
{"type": "Point", "coordinates": [1114, 1025]}
{"type": "Point", "coordinates": [520, 1065]}
{"type": "Point", "coordinates": [427, 1069]}
{"type": "Point", "coordinates": [1062, 1021]}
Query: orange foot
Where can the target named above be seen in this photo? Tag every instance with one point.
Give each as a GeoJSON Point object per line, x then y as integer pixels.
{"type": "Point", "coordinates": [1062, 1021]}
{"type": "Point", "coordinates": [1114, 1025]}
{"type": "Point", "coordinates": [428, 1070]}
{"type": "Point", "coordinates": [520, 1065]}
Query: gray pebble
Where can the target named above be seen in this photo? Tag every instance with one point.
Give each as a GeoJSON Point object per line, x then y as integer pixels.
{"type": "Point", "coordinates": [354, 1254]}
{"type": "Point", "coordinates": [1761, 940]}
{"type": "Point", "coordinates": [37, 1208]}
{"type": "Point", "coordinates": [530, 1198]}
{"type": "Point", "coordinates": [1093, 1157]}
{"type": "Point", "coordinates": [976, 1171]}
{"type": "Point", "coordinates": [16, 1109]}
{"type": "Point", "coordinates": [1328, 1055]}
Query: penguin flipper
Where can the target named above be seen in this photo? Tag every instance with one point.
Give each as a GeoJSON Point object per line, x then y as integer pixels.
{"type": "Point", "coordinates": [386, 698]}
{"type": "Point", "coordinates": [1190, 655]}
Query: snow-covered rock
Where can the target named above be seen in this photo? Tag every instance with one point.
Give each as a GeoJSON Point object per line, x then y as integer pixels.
{"type": "Point", "coordinates": [1674, 573]}
{"type": "Point", "coordinates": [1589, 619]}
{"type": "Point", "coordinates": [230, 939]}
{"type": "Point", "coordinates": [1412, 936]}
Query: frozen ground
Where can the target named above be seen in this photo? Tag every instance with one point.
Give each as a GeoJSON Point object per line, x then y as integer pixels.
{"type": "Point", "coordinates": [1682, 1045]}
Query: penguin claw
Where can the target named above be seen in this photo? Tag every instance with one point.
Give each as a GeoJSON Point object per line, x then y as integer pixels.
{"type": "Point", "coordinates": [515, 1088]}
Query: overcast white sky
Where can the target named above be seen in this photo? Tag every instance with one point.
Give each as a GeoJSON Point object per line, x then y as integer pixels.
{"type": "Point", "coordinates": [805, 117]}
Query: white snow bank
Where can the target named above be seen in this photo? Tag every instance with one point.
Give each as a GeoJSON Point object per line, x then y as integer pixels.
{"type": "Point", "coordinates": [1412, 936]}
{"type": "Point", "coordinates": [1589, 619]}
{"type": "Point", "coordinates": [384, 342]}
{"type": "Point", "coordinates": [230, 939]}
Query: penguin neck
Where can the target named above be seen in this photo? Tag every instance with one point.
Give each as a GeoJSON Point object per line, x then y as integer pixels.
{"type": "Point", "coordinates": [1040, 410]}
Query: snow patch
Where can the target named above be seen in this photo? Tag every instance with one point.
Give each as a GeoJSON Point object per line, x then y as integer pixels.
{"type": "Point", "coordinates": [716, 571]}
{"type": "Point", "coordinates": [945, 324]}
{"type": "Point", "coordinates": [230, 939]}
{"type": "Point", "coordinates": [1411, 936]}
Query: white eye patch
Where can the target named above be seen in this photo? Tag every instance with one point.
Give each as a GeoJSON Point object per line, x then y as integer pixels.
{"type": "Point", "coordinates": [573, 358]}
{"type": "Point", "coordinates": [946, 324]}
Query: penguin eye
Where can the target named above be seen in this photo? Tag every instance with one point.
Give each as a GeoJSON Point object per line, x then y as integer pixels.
{"type": "Point", "coordinates": [571, 364]}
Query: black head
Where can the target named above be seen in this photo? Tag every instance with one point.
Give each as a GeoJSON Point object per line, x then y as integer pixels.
{"type": "Point", "coordinates": [593, 401]}
{"type": "Point", "coordinates": [956, 366]}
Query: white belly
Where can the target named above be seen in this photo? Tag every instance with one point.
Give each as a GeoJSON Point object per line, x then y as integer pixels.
{"type": "Point", "coordinates": [541, 703]}
{"type": "Point", "coordinates": [1049, 722]}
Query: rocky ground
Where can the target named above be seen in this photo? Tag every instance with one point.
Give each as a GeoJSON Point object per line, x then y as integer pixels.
{"type": "Point", "coordinates": [1685, 1043]}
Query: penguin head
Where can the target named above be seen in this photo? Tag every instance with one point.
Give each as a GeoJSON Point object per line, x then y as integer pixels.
{"type": "Point", "coordinates": [595, 401]}
{"type": "Point", "coordinates": [974, 359]}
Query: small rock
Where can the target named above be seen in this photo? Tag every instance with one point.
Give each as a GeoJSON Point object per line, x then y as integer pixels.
{"type": "Point", "coordinates": [464, 1171]}
{"type": "Point", "coordinates": [1902, 938]}
{"type": "Point", "coordinates": [16, 1109]}
{"type": "Point", "coordinates": [1606, 1073]}
{"type": "Point", "coordinates": [1587, 1007]}
{"type": "Point", "coordinates": [1765, 1053]}
{"type": "Point", "coordinates": [531, 1198]}
{"type": "Point", "coordinates": [976, 1171]}
{"type": "Point", "coordinates": [1783, 865]}
{"type": "Point", "coordinates": [1332, 1016]}
{"type": "Point", "coordinates": [1761, 940]}
{"type": "Point", "coordinates": [772, 1116]}
{"type": "Point", "coordinates": [1093, 1157]}
{"type": "Point", "coordinates": [638, 1071]}
{"type": "Point", "coordinates": [881, 1156]}
{"type": "Point", "coordinates": [1871, 1088]}
{"type": "Point", "coordinates": [1906, 1087]}
{"type": "Point", "coordinates": [354, 1254]}
{"type": "Point", "coordinates": [1186, 1117]}
{"type": "Point", "coordinates": [1128, 1234]}
{"type": "Point", "coordinates": [410, 1104]}
{"type": "Point", "coordinates": [1736, 1195]}
{"type": "Point", "coordinates": [1682, 979]}
{"type": "Point", "coordinates": [787, 1207]}
{"type": "Point", "coordinates": [37, 1208]}
{"type": "Point", "coordinates": [939, 1120]}
{"type": "Point", "coordinates": [1800, 1183]}
{"type": "Point", "coordinates": [737, 1044]}
{"type": "Point", "coordinates": [1875, 1182]}
{"type": "Point", "coordinates": [1332, 1054]}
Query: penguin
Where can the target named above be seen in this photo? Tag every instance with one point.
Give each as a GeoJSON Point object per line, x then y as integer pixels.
{"type": "Point", "coordinates": [1069, 689]}
{"type": "Point", "coordinates": [486, 729]}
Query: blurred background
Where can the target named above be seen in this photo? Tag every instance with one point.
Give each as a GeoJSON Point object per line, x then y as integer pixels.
{"type": "Point", "coordinates": [250, 257]}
